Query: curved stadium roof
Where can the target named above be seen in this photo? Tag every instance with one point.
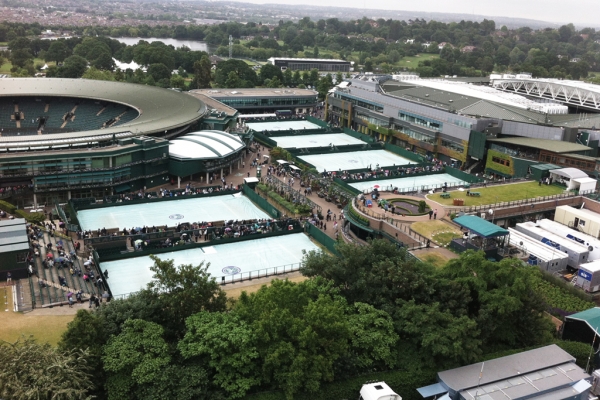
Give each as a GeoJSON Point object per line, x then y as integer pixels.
{"type": "Point", "coordinates": [159, 109]}
{"type": "Point", "coordinates": [204, 145]}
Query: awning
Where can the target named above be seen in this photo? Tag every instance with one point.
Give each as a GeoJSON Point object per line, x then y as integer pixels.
{"type": "Point", "coordinates": [122, 188]}
{"type": "Point", "coordinates": [432, 390]}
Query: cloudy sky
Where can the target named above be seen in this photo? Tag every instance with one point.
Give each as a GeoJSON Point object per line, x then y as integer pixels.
{"type": "Point", "coordinates": [580, 12]}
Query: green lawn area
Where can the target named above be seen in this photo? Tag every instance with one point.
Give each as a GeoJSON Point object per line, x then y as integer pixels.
{"type": "Point", "coordinates": [501, 193]}
{"type": "Point", "coordinates": [413, 62]}
{"type": "Point", "coordinates": [436, 230]}
{"type": "Point", "coordinates": [5, 68]}
{"type": "Point", "coordinates": [435, 259]}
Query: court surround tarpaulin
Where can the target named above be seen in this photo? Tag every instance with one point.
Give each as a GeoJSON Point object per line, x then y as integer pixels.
{"type": "Point", "coordinates": [170, 213]}
{"type": "Point", "coordinates": [409, 184]}
{"type": "Point", "coordinates": [318, 140]}
{"type": "Point", "coordinates": [226, 260]}
{"type": "Point", "coordinates": [294, 125]}
{"type": "Point", "coordinates": [355, 160]}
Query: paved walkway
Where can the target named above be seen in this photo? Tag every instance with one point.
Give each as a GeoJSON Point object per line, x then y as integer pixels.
{"type": "Point", "coordinates": [379, 213]}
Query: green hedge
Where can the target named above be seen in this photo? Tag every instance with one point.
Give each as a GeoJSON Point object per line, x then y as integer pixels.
{"type": "Point", "coordinates": [292, 208]}
{"type": "Point", "coordinates": [34, 218]}
{"type": "Point", "coordinates": [357, 217]}
{"type": "Point", "coordinates": [9, 208]}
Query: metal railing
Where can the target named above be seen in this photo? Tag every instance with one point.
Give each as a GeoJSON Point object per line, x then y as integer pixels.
{"type": "Point", "coordinates": [515, 203]}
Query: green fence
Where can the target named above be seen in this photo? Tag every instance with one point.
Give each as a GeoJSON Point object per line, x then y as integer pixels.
{"type": "Point", "coordinates": [346, 187]}
{"type": "Point", "coordinates": [261, 202]}
{"type": "Point", "coordinates": [321, 237]}
{"type": "Point", "coordinates": [317, 121]}
{"type": "Point", "coordinates": [63, 217]}
{"type": "Point", "coordinates": [463, 176]}
{"type": "Point", "coordinates": [358, 135]}
{"type": "Point", "coordinates": [264, 139]}
{"type": "Point", "coordinates": [404, 153]}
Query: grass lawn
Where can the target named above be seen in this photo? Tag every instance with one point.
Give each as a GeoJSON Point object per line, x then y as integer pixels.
{"type": "Point", "coordinates": [5, 68]}
{"type": "Point", "coordinates": [413, 62]}
{"type": "Point", "coordinates": [44, 328]}
{"type": "Point", "coordinates": [501, 193]}
{"type": "Point", "coordinates": [436, 230]}
{"type": "Point", "coordinates": [437, 260]}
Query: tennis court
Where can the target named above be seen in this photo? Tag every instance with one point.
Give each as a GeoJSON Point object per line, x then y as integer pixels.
{"type": "Point", "coordinates": [409, 184]}
{"type": "Point", "coordinates": [231, 261]}
{"type": "Point", "coordinates": [355, 160]}
{"type": "Point", "coordinates": [170, 213]}
{"type": "Point", "coordinates": [317, 140]}
{"type": "Point", "coordinates": [295, 125]}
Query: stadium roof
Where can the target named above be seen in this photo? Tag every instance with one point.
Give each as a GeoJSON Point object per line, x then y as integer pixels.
{"type": "Point", "coordinates": [255, 92]}
{"type": "Point", "coordinates": [310, 59]}
{"type": "Point", "coordinates": [480, 226]}
{"type": "Point", "coordinates": [555, 146]}
{"type": "Point", "coordinates": [160, 109]}
{"type": "Point", "coordinates": [205, 145]}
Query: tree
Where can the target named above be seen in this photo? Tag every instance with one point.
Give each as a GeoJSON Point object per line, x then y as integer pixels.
{"type": "Point", "coordinates": [178, 82]}
{"type": "Point", "coordinates": [233, 81]}
{"type": "Point", "coordinates": [73, 67]}
{"type": "Point", "coordinates": [58, 51]}
{"type": "Point", "coordinates": [159, 71]}
{"type": "Point", "coordinates": [29, 370]}
{"type": "Point", "coordinates": [300, 338]}
{"type": "Point", "coordinates": [246, 75]}
{"type": "Point", "coordinates": [185, 290]}
{"type": "Point", "coordinates": [202, 74]}
{"type": "Point", "coordinates": [229, 345]}
{"type": "Point", "coordinates": [273, 83]}
{"type": "Point", "coordinates": [372, 337]}
{"type": "Point", "coordinates": [135, 359]}
{"type": "Point", "coordinates": [96, 74]}
{"type": "Point", "coordinates": [270, 71]}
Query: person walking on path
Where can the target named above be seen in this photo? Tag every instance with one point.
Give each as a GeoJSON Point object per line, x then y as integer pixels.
{"type": "Point", "coordinates": [435, 214]}
{"type": "Point", "coordinates": [430, 213]}
{"type": "Point", "coordinates": [9, 278]}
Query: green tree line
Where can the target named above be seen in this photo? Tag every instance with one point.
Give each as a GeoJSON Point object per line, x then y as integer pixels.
{"type": "Point", "coordinates": [368, 311]}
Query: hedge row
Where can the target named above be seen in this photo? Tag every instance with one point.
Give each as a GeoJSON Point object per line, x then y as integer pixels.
{"type": "Point", "coordinates": [292, 208]}
{"type": "Point", "coordinates": [9, 208]}
{"type": "Point", "coordinates": [356, 216]}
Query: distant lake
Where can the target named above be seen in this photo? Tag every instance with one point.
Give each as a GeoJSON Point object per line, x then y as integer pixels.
{"type": "Point", "coordinates": [195, 45]}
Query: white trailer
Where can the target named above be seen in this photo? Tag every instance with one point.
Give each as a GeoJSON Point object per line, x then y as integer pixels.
{"type": "Point", "coordinates": [578, 253]}
{"type": "Point", "coordinates": [378, 391]}
{"type": "Point", "coordinates": [546, 258]}
{"type": "Point", "coordinates": [592, 244]}
{"type": "Point", "coordinates": [588, 276]}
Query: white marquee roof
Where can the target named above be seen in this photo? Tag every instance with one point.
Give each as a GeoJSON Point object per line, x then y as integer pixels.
{"type": "Point", "coordinates": [205, 145]}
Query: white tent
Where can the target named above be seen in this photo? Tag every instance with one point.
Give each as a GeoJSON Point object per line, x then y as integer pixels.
{"type": "Point", "coordinates": [568, 177]}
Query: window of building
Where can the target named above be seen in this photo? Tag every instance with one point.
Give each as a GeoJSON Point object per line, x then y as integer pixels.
{"type": "Point", "coordinates": [501, 161]}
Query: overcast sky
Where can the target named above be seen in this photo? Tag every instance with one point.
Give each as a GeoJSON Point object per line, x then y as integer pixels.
{"type": "Point", "coordinates": [581, 12]}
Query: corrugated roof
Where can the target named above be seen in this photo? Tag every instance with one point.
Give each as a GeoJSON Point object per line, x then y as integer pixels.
{"type": "Point", "coordinates": [591, 317]}
{"type": "Point", "coordinates": [505, 367]}
{"type": "Point", "coordinates": [485, 108]}
{"type": "Point", "coordinates": [435, 97]}
{"type": "Point", "coordinates": [480, 226]}
{"type": "Point", "coordinates": [555, 146]}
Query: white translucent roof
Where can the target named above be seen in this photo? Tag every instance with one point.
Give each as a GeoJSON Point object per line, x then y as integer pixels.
{"type": "Point", "coordinates": [205, 145]}
{"type": "Point", "coordinates": [571, 173]}
{"type": "Point", "coordinates": [483, 92]}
